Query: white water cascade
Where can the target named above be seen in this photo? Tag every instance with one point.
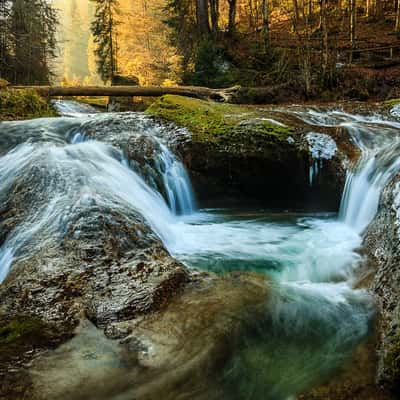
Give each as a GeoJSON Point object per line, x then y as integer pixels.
{"type": "Point", "coordinates": [177, 186]}
{"type": "Point", "coordinates": [379, 162]}
{"type": "Point", "coordinates": [71, 108]}
{"type": "Point", "coordinates": [176, 182]}
{"type": "Point", "coordinates": [379, 141]}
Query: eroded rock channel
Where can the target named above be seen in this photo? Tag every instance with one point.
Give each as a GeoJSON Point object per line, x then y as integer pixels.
{"type": "Point", "coordinates": [118, 283]}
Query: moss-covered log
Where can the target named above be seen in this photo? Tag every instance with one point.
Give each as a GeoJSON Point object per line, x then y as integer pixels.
{"type": "Point", "coordinates": [235, 94]}
{"type": "Point", "coordinates": [125, 91]}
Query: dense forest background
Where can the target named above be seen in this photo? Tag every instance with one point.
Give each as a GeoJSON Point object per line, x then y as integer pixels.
{"type": "Point", "coordinates": [318, 44]}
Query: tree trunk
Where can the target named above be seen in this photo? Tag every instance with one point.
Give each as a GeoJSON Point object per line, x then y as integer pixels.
{"type": "Point", "coordinates": [397, 25]}
{"type": "Point", "coordinates": [232, 16]}
{"type": "Point", "coordinates": [111, 24]}
{"type": "Point", "coordinates": [202, 16]}
{"type": "Point", "coordinates": [251, 15]}
{"type": "Point", "coordinates": [353, 31]}
{"type": "Point", "coordinates": [214, 10]}
{"type": "Point", "coordinates": [301, 11]}
{"type": "Point", "coordinates": [325, 50]}
{"type": "Point", "coordinates": [131, 91]}
{"type": "Point", "coordinates": [265, 22]}
{"type": "Point", "coordinates": [378, 9]}
{"type": "Point", "coordinates": [296, 10]}
{"type": "Point", "coordinates": [368, 9]}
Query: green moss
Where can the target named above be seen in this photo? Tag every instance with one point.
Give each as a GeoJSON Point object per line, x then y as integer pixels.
{"type": "Point", "coordinates": [23, 104]}
{"type": "Point", "coordinates": [3, 83]}
{"type": "Point", "coordinates": [21, 334]}
{"type": "Point", "coordinates": [215, 122]}
{"type": "Point", "coordinates": [391, 103]}
{"type": "Point", "coordinates": [19, 330]}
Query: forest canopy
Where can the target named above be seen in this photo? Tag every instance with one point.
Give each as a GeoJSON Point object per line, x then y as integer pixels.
{"type": "Point", "coordinates": [215, 43]}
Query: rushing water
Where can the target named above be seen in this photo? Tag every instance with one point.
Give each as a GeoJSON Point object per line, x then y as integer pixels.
{"type": "Point", "coordinates": [379, 141]}
{"type": "Point", "coordinates": [317, 316]}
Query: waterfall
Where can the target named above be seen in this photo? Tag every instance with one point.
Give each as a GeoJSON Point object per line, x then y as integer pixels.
{"type": "Point", "coordinates": [81, 172]}
{"type": "Point", "coordinates": [176, 183]}
{"type": "Point", "coordinates": [379, 162]}
{"type": "Point", "coordinates": [71, 108]}
{"type": "Point", "coordinates": [379, 142]}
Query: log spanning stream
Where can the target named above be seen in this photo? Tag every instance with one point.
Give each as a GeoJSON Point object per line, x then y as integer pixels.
{"type": "Point", "coordinates": [317, 315]}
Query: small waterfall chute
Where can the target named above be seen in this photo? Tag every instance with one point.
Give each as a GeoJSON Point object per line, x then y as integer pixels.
{"type": "Point", "coordinates": [72, 108]}
{"type": "Point", "coordinates": [379, 141]}
{"type": "Point", "coordinates": [176, 183]}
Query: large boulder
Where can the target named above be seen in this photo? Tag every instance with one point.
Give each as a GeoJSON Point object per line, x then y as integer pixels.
{"type": "Point", "coordinates": [248, 154]}
{"type": "Point", "coordinates": [88, 269]}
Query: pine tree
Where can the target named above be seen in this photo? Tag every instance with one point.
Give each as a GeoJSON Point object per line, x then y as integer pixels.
{"type": "Point", "coordinates": [5, 42]}
{"type": "Point", "coordinates": [104, 30]}
{"type": "Point", "coordinates": [33, 25]}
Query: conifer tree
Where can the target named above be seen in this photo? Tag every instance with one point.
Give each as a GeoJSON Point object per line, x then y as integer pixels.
{"type": "Point", "coordinates": [104, 30]}
{"type": "Point", "coordinates": [33, 25]}
{"type": "Point", "coordinates": [5, 50]}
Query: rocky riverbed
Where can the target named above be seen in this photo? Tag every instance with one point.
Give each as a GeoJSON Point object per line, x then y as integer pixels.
{"type": "Point", "coordinates": [96, 304]}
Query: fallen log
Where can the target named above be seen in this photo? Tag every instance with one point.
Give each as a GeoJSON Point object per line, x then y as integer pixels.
{"type": "Point", "coordinates": [224, 95]}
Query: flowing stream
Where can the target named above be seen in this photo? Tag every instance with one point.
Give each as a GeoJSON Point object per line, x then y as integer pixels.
{"type": "Point", "coordinates": [317, 316]}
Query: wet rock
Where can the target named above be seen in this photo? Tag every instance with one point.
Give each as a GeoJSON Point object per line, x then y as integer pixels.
{"type": "Point", "coordinates": [355, 379]}
{"type": "Point", "coordinates": [248, 154]}
{"type": "Point", "coordinates": [82, 253]}
{"type": "Point", "coordinates": [383, 243]}
{"type": "Point", "coordinates": [74, 254]}
{"type": "Point", "coordinates": [176, 352]}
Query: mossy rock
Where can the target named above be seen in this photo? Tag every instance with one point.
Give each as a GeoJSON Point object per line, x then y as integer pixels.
{"type": "Point", "coordinates": [20, 334]}
{"type": "Point", "coordinates": [23, 104]}
{"type": "Point", "coordinates": [388, 105]}
{"type": "Point", "coordinates": [218, 123]}
{"type": "Point", "coordinates": [4, 83]}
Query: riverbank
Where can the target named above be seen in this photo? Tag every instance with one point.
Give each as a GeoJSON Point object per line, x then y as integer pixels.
{"type": "Point", "coordinates": [23, 104]}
